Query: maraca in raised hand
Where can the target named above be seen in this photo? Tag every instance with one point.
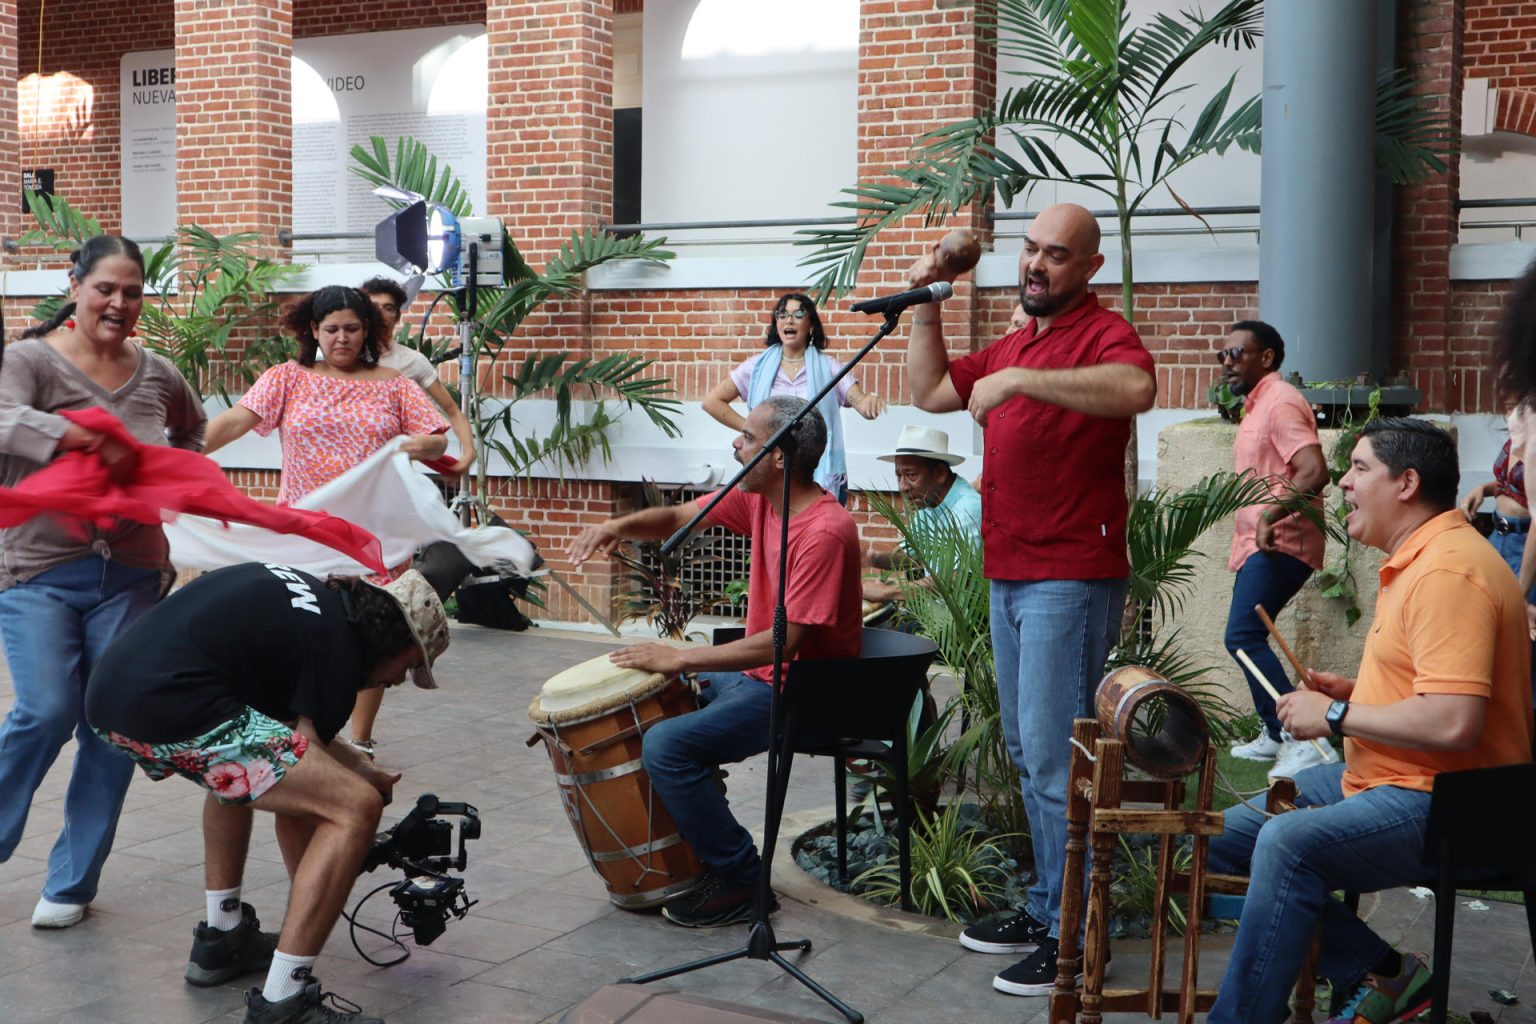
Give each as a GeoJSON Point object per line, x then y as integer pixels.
{"type": "Point", "coordinates": [959, 251]}
{"type": "Point", "coordinates": [954, 254]}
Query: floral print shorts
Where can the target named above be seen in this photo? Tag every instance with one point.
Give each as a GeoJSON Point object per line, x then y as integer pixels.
{"type": "Point", "coordinates": [236, 762]}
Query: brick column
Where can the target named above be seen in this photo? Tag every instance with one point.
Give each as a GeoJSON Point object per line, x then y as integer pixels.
{"type": "Point", "coordinates": [549, 172]}
{"type": "Point", "coordinates": [11, 219]}
{"type": "Point", "coordinates": [234, 125]}
{"type": "Point", "coordinates": [1430, 43]}
{"type": "Point", "coordinates": [921, 65]}
{"type": "Point", "coordinates": [549, 135]}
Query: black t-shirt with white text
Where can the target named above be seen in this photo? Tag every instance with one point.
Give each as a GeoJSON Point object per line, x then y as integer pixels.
{"type": "Point", "coordinates": [262, 636]}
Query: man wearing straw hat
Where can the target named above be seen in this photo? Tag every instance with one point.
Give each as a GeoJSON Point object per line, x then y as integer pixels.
{"type": "Point", "coordinates": [1444, 685]}
{"type": "Point", "coordinates": [240, 681]}
{"type": "Point", "coordinates": [927, 480]}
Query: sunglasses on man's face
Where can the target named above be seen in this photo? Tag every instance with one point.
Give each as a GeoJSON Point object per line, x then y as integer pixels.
{"type": "Point", "coordinates": [1233, 354]}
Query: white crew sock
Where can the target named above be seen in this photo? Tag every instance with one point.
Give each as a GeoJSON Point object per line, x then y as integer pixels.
{"type": "Point", "coordinates": [223, 908]}
{"type": "Point", "coordinates": [286, 977]}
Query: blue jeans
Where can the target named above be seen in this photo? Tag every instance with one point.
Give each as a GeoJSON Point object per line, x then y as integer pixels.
{"type": "Point", "coordinates": [1371, 841]}
{"type": "Point", "coordinates": [1271, 581]}
{"type": "Point", "coordinates": [1049, 642]}
{"type": "Point", "coordinates": [681, 754]}
{"type": "Point", "coordinates": [55, 627]}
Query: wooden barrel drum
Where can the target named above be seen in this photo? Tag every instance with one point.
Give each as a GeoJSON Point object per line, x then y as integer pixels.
{"type": "Point", "coordinates": [1164, 731]}
{"type": "Point", "coordinates": [591, 718]}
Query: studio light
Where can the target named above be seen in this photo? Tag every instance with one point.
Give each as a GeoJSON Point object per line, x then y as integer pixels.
{"type": "Point", "coordinates": [428, 238]}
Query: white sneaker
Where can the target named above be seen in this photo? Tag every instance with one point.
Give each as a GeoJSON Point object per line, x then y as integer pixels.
{"type": "Point", "coordinates": [1296, 755]}
{"type": "Point", "coordinates": [48, 914]}
{"type": "Point", "coordinates": [1261, 749]}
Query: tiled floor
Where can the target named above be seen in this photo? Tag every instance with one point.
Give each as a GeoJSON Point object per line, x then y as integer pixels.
{"type": "Point", "coordinates": [543, 935]}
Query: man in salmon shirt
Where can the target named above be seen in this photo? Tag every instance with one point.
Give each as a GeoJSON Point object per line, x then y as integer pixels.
{"type": "Point", "coordinates": [1444, 685]}
{"type": "Point", "coordinates": [824, 620]}
{"type": "Point", "coordinates": [1273, 550]}
{"type": "Point", "coordinates": [1056, 400]}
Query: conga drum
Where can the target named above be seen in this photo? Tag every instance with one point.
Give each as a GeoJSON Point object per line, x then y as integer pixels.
{"type": "Point", "coordinates": [591, 718]}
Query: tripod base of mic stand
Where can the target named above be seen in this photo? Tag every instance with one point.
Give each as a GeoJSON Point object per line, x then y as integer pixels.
{"type": "Point", "coordinates": [761, 945]}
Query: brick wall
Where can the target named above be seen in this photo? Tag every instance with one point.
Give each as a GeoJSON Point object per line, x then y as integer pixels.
{"type": "Point", "coordinates": [1500, 42]}
{"type": "Point", "coordinates": [343, 17]}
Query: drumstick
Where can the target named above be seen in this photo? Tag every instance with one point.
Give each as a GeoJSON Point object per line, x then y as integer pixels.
{"type": "Point", "coordinates": [1269, 624]}
{"type": "Point", "coordinates": [1248, 664]}
{"type": "Point", "coordinates": [601, 620]}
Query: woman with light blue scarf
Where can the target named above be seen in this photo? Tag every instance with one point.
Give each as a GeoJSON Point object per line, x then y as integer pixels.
{"type": "Point", "coordinates": [795, 363]}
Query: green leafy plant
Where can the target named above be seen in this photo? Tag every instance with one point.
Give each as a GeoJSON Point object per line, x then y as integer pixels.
{"type": "Point", "coordinates": [599, 389]}
{"type": "Point", "coordinates": [658, 590]}
{"type": "Point", "coordinates": [951, 605]}
{"type": "Point", "coordinates": [1338, 580]}
{"type": "Point", "coordinates": [208, 304]}
{"type": "Point", "coordinates": [957, 871]}
{"type": "Point", "coordinates": [1134, 886]}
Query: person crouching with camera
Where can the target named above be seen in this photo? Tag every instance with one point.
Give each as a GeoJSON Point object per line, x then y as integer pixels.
{"type": "Point", "coordinates": [240, 682]}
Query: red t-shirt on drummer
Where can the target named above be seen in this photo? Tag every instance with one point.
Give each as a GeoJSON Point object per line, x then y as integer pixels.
{"type": "Point", "coordinates": [822, 578]}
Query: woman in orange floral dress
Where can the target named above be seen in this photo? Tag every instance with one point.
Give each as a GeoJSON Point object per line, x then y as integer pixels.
{"type": "Point", "coordinates": [331, 413]}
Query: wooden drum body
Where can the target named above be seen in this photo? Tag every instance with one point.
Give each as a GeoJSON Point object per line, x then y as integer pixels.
{"type": "Point", "coordinates": [591, 718]}
{"type": "Point", "coordinates": [1164, 730]}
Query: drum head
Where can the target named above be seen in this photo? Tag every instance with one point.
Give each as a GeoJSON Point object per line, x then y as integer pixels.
{"type": "Point", "coordinates": [591, 688]}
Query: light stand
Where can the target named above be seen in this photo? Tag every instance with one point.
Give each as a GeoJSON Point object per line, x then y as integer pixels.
{"type": "Point", "coordinates": [762, 944]}
{"type": "Point", "coordinates": [468, 385]}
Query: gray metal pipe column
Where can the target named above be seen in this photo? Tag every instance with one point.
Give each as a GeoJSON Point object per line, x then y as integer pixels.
{"type": "Point", "coordinates": [1317, 191]}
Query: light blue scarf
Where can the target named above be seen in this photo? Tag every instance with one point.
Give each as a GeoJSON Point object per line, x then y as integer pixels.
{"type": "Point", "coordinates": [831, 471]}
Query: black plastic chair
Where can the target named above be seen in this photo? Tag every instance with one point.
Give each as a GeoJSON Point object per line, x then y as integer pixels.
{"type": "Point", "coordinates": [1481, 834]}
{"type": "Point", "coordinates": [859, 708]}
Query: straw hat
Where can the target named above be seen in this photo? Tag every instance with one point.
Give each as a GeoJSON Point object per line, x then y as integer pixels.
{"type": "Point", "coordinates": [923, 443]}
{"type": "Point", "coordinates": [426, 618]}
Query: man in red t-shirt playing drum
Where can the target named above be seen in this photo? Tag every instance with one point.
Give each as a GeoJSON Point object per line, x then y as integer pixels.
{"type": "Point", "coordinates": [1056, 400]}
{"type": "Point", "coordinates": [823, 611]}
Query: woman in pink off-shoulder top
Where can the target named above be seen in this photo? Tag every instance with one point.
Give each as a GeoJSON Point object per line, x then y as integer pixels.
{"type": "Point", "coordinates": [334, 411]}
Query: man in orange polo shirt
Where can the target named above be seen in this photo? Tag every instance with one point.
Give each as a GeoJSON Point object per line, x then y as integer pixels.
{"type": "Point", "coordinates": [1273, 551]}
{"type": "Point", "coordinates": [1443, 686]}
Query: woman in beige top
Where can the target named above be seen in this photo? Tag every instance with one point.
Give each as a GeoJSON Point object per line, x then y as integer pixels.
{"type": "Point", "coordinates": [69, 586]}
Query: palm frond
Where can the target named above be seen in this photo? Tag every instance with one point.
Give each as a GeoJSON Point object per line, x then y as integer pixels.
{"type": "Point", "coordinates": [414, 169]}
{"type": "Point", "coordinates": [59, 225]}
{"type": "Point", "coordinates": [1413, 139]}
{"type": "Point", "coordinates": [1162, 528]}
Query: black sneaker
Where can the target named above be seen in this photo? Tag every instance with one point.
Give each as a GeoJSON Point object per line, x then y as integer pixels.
{"type": "Point", "coordinates": [713, 903]}
{"type": "Point", "coordinates": [305, 1008]}
{"type": "Point", "coordinates": [1035, 975]}
{"type": "Point", "coordinates": [1018, 933]}
{"type": "Point", "coordinates": [218, 956]}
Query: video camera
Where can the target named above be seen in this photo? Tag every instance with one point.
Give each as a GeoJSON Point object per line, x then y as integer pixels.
{"type": "Point", "coordinates": [421, 845]}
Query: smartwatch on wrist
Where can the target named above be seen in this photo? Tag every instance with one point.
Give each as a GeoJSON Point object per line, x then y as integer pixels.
{"type": "Point", "coordinates": [1335, 716]}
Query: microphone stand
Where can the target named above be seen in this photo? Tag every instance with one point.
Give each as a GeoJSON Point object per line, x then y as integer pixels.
{"type": "Point", "coordinates": [762, 944]}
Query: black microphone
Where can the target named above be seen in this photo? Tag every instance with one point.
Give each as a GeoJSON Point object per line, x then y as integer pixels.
{"type": "Point", "coordinates": [890, 305]}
